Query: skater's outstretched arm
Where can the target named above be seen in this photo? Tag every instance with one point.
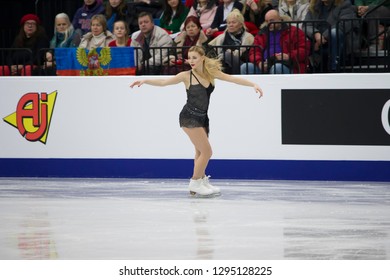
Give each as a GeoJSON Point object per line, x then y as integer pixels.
{"type": "Point", "coordinates": [162, 82]}
{"type": "Point", "coordinates": [238, 80]}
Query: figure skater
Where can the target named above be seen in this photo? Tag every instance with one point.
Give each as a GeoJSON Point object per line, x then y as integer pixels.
{"type": "Point", "coordinates": [199, 82]}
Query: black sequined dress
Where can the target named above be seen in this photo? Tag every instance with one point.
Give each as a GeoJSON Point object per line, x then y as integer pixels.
{"type": "Point", "coordinates": [194, 113]}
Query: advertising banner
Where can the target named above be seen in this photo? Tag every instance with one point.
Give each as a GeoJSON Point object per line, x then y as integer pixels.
{"type": "Point", "coordinates": [310, 127]}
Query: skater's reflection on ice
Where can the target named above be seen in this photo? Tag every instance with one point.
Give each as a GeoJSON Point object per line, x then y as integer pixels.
{"type": "Point", "coordinates": [205, 241]}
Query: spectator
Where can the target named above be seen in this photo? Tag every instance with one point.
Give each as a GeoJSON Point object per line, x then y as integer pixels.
{"type": "Point", "coordinates": [31, 36]}
{"type": "Point", "coordinates": [121, 32]}
{"type": "Point", "coordinates": [64, 37]}
{"type": "Point", "coordinates": [254, 11]}
{"type": "Point", "coordinates": [150, 36]}
{"type": "Point", "coordinates": [370, 10]}
{"type": "Point", "coordinates": [234, 36]}
{"type": "Point", "coordinates": [82, 18]}
{"type": "Point", "coordinates": [205, 10]}
{"type": "Point", "coordinates": [192, 35]}
{"type": "Point", "coordinates": [296, 10]}
{"type": "Point", "coordinates": [116, 10]}
{"type": "Point", "coordinates": [329, 38]}
{"type": "Point", "coordinates": [64, 33]}
{"type": "Point", "coordinates": [283, 49]}
{"type": "Point", "coordinates": [153, 7]}
{"type": "Point", "coordinates": [173, 16]}
{"type": "Point", "coordinates": [99, 36]}
{"type": "Point", "coordinates": [219, 23]}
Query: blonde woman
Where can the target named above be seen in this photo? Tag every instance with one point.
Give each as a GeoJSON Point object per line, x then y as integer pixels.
{"type": "Point", "coordinates": [64, 37]}
{"type": "Point", "coordinates": [99, 36]}
{"type": "Point", "coordinates": [199, 82]}
{"type": "Point", "coordinates": [64, 34]}
{"type": "Point", "coordinates": [219, 23]}
{"type": "Point", "coordinates": [234, 36]}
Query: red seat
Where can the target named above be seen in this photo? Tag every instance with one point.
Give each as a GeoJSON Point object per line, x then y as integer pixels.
{"type": "Point", "coordinates": [4, 70]}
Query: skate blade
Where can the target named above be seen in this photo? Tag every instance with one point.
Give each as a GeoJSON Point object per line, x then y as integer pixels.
{"type": "Point", "coordinates": [196, 195]}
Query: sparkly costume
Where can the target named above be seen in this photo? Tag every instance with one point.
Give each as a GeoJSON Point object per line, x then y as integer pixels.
{"type": "Point", "coordinates": [194, 113]}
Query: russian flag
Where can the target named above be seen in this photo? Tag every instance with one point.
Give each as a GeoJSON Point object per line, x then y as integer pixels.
{"type": "Point", "coordinates": [95, 62]}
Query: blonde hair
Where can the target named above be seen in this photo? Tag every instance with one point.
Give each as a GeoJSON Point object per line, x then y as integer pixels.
{"type": "Point", "coordinates": [236, 14]}
{"type": "Point", "coordinates": [69, 31]}
{"type": "Point", "coordinates": [211, 66]}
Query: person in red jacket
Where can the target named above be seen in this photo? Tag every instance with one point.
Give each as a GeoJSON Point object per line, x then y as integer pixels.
{"type": "Point", "coordinates": [279, 48]}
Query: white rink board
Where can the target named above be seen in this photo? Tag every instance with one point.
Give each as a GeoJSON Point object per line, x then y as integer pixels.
{"type": "Point", "coordinates": [101, 117]}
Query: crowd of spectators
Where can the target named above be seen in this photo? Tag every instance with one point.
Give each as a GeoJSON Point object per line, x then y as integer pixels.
{"type": "Point", "coordinates": [284, 35]}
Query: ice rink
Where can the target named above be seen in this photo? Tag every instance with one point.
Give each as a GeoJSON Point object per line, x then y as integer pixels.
{"type": "Point", "coordinates": [115, 219]}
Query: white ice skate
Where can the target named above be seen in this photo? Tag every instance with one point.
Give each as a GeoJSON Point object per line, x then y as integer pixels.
{"type": "Point", "coordinates": [197, 187]}
{"type": "Point", "coordinates": [206, 182]}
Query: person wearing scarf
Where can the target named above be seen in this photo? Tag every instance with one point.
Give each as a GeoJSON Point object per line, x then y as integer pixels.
{"type": "Point", "coordinates": [192, 35]}
{"type": "Point", "coordinates": [230, 41]}
{"type": "Point", "coordinates": [64, 34]}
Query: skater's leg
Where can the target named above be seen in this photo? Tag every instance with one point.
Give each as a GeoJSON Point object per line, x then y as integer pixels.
{"type": "Point", "coordinates": [197, 155]}
{"type": "Point", "coordinates": [203, 151]}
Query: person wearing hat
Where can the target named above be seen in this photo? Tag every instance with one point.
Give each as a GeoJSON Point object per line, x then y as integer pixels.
{"type": "Point", "coordinates": [31, 36]}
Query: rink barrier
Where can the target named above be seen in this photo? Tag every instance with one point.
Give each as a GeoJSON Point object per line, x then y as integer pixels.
{"type": "Point", "coordinates": [311, 170]}
{"type": "Point", "coordinates": [306, 127]}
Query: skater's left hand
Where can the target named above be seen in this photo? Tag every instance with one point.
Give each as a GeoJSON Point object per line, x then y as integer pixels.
{"type": "Point", "coordinates": [258, 90]}
{"type": "Point", "coordinates": [137, 83]}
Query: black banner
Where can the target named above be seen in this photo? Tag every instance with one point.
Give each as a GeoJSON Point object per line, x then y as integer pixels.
{"type": "Point", "coordinates": [336, 116]}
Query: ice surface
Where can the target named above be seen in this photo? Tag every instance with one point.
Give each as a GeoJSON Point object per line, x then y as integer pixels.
{"type": "Point", "coordinates": [158, 219]}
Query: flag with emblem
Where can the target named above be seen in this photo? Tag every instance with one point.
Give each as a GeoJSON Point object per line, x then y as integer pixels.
{"type": "Point", "coordinates": [95, 62]}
